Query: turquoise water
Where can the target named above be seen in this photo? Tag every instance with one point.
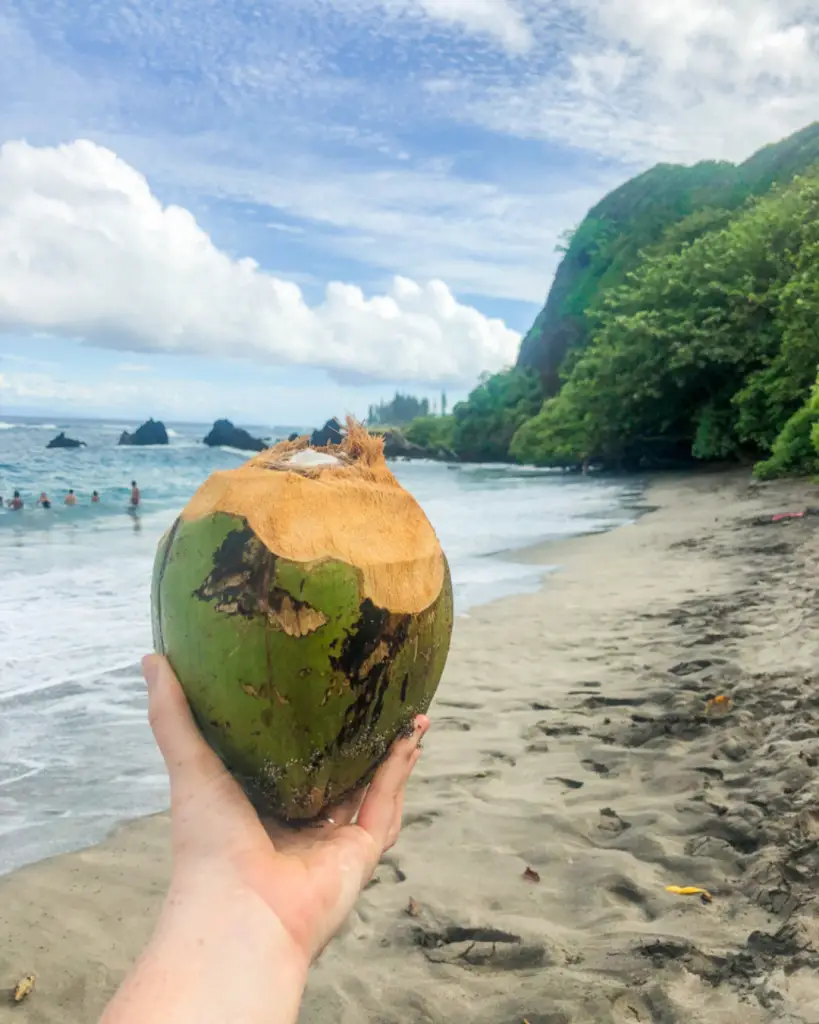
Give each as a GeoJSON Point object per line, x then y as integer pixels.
{"type": "Point", "coordinates": [76, 754]}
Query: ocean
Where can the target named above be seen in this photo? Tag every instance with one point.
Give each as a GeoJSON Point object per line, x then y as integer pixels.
{"type": "Point", "coordinates": [76, 754]}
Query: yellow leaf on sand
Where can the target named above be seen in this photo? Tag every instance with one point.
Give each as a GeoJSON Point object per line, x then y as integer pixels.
{"type": "Point", "coordinates": [689, 890]}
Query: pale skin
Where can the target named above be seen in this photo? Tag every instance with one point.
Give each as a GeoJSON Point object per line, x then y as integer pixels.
{"type": "Point", "coordinates": [249, 907]}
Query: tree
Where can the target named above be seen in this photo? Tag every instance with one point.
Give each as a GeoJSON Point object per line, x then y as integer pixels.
{"type": "Point", "coordinates": [400, 410]}
{"type": "Point", "coordinates": [486, 422]}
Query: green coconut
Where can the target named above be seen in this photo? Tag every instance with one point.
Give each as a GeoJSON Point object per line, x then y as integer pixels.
{"type": "Point", "coordinates": [305, 604]}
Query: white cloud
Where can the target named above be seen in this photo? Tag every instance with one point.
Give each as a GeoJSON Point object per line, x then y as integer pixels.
{"type": "Point", "coordinates": [423, 220]}
{"type": "Point", "coordinates": [502, 22]}
{"type": "Point", "coordinates": [307, 107]}
{"type": "Point", "coordinates": [86, 250]}
{"type": "Point", "coordinates": [498, 19]}
{"type": "Point", "coordinates": [196, 400]}
{"type": "Point", "coordinates": [133, 368]}
{"type": "Point", "coordinates": [250, 397]}
{"type": "Point", "coordinates": [644, 80]}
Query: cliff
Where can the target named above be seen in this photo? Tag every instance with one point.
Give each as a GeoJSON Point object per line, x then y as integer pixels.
{"type": "Point", "coordinates": [664, 207]}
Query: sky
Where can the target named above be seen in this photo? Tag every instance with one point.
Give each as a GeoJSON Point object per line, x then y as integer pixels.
{"type": "Point", "coordinates": [285, 210]}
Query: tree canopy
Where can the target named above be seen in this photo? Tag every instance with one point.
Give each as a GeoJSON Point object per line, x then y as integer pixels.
{"type": "Point", "coordinates": [399, 410]}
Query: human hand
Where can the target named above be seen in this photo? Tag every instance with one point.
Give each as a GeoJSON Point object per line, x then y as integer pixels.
{"type": "Point", "coordinates": [308, 879]}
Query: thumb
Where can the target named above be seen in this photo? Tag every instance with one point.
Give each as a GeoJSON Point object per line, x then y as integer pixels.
{"type": "Point", "coordinates": [380, 813]}
{"type": "Point", "coordinates": [191, 763]}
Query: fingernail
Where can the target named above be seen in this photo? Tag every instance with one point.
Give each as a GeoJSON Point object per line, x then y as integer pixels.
{"type": "Point", "coordinates": [150, 669]}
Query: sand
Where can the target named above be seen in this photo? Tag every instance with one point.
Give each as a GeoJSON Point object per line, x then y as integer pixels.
{"type": "Point", "coordinates": [572, 737]}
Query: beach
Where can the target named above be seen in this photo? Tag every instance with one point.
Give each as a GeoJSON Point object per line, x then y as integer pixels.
{"type": "Point", "coordinates": [648, 718]}
{"type": "Point", "coordinates": [75, 756]}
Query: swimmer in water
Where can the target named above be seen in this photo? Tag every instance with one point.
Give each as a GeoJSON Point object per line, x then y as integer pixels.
{"type": "Point", "coordinates": [135, 495]}
{"type": "Point", "coordinates": [44, 501]}
{"type": "Point", "coordinates": [16, 502]}
{"type": "Point", "coordinates": [94, 497]}
{"type": "Point", "coordinates": [71, 498]}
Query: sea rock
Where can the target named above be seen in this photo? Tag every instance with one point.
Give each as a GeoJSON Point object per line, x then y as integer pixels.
{"type": "Point", "coordinates": [224, 434]}
{"type": "Point", "coordinates": [330, 433]}
{"type": "Point", "coordinates": [61, 441]}
{"type": "Point", "coordinates": [151, 432]}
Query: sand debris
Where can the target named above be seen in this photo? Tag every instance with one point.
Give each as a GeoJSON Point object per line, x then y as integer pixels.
{"type": "Point", "coordinates": [24, 988]}
{"type": "Point", "coordinates": [690, 890]}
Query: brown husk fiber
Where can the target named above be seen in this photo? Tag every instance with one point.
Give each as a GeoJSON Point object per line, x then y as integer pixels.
{"type": "Point", "coordinates": [355, 512]}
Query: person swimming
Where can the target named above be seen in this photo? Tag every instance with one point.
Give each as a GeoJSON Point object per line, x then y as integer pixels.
{"type": "Point", "coordinates": [95, 497]}
{"type": "Point", "coordinates": [71, 498]}
{"type": "Point", "coordinates": [44, 501]}
{"type": "Point", "coordinates": [135, 495]}
{"type": "Point", "coordinates": [16, 502]}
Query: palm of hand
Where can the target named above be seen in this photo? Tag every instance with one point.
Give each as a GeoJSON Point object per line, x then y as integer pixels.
{"type": "Point", "coordinates": [309, 878]}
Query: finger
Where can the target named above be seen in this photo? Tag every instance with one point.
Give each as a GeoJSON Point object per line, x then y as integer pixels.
{"type": "Point", "coordinates": [378, 812]}
{"type": "Point", "coordinates": [398, 813]}
{"type": "Point", "coordinates": [188, 758]}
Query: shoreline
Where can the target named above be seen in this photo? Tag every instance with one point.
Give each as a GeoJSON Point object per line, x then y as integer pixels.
{"type": "Point", "coordinates": [55, 790]}
{"type": "Point", "coordinates": [571, 735]}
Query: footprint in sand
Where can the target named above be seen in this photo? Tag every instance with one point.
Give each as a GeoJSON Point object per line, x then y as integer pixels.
{"type": "Point", "coordinates": [688, 668]}
{"type": "Point", "coordinates": [626, 891]}
{"type": "Point", "coordinates": [460, 705]}
{"type": "Point", "coordinates": [497, 755]}
{"type": "Point", "coordinates": [568, 783]}
{"type": "Point", "coordinates": [452, 725]}
{"type": "Point", "coordinates": [487, 948]}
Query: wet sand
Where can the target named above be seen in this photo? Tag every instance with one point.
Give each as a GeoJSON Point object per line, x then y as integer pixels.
{"type": "Point", "coordinates": [577, 765]}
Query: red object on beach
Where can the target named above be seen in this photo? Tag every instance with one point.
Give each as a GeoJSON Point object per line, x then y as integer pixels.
{"type": "Point", "coordinates": [787, 515]}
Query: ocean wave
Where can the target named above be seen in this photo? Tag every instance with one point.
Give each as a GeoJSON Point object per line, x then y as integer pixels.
{"type": "Point", "coordinates": [27, 426]}
{"type": "Point", "coordinates": [235, 451]}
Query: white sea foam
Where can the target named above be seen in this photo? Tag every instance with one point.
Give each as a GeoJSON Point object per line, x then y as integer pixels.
{"type": "Point", "coordinates": [27, 426]}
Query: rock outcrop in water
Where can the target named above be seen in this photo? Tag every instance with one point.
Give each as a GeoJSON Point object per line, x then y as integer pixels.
{"type": "Point", "coordinates": [61, 441]}
{"type": "Point", "coordinates": [223, 434]}
{"type": "Point", "coordinates": [330, 433]}
{"type": "Point", "coordinates": [151, 432]}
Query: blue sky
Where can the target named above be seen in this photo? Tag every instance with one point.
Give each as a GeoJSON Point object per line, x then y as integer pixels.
{"type": "Point", "coordinates": [281, 211]}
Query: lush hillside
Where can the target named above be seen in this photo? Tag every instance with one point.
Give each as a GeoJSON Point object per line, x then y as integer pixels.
{"type": "Point", "coordinates": [664, 207]}
{"type": "Point", "coordinates": [707, 350]}
{"type": "Point", "coordinates": [683, 325]}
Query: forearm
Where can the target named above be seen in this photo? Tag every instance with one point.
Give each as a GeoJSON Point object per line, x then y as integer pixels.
{"type": "Point", "coordinates": [213, 959]}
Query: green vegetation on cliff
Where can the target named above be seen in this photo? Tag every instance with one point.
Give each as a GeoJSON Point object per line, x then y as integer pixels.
{"type": "Point", "coordinates": [706, 350]}
{"type": "Point", "coordinates": [432, 432]}
{"type": "Point", "coordinates": [484, 425]}
{"type": "Point", "coordinates": [663, 208]}
{"type": "Point", "coordinates": [682, 325]}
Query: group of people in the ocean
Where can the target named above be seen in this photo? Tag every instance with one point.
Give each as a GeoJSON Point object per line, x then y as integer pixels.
{"type": "Point", "coordinates": [16, 502]}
